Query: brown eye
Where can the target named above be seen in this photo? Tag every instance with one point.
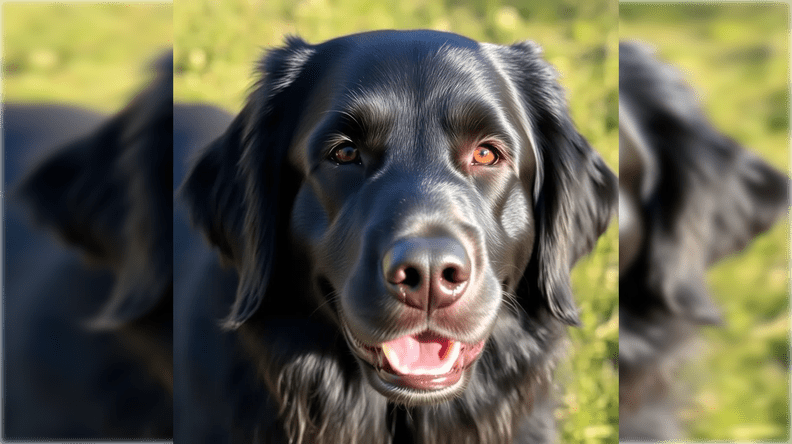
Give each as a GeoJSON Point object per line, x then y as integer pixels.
{"type": "Point", "coordinates": [484, 155]}
{"type": "Point", "coordinates": [345, 154]}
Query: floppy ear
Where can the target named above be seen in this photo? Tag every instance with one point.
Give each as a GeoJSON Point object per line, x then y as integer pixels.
{"type": "Point", "coordinates": [754, 197]}
{"type": "Point", "coordinates": [145, 277]}
{"type": "Point", "coordinates": [728, 196]}
{"type": "Point", "coordinates": [214, 191]}
{"type": "Point", "coordinates": [575, 193]}
{"type": "Point", "coordinates": [238, 187]}
{"type": "Point", "coordinates": [106, 193]}
{"type": "Point", "coordinates": [710, 196]}
{"type": "Point", "coordinates": [77, 192]}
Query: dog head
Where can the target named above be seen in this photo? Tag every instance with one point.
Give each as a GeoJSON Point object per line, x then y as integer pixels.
{"type": "Point", "coordinates": [404, 185]}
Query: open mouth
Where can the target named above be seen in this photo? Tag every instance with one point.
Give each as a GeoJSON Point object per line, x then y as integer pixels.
{"type": "Point", "coordinates": [424, 361]}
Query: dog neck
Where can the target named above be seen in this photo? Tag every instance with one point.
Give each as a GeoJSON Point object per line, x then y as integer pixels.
{"type": "Point", "coordinates": [321, 397]}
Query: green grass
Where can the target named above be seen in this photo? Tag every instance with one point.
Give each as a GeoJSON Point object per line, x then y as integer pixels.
{"type": "Point", "coordinates": [94, 55]}
{"type": "Point", "coordinates": [736, 57]}
{"type": "Point", "coordinates": [590, 409]}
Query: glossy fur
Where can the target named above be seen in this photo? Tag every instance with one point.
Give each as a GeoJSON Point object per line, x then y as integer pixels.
{"type": "Point", "coordinates": [307, 235]}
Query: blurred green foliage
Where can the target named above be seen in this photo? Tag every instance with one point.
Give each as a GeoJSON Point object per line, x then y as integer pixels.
{"type": "Point", "coordinates": [737, 57]}
{"type": "Point", "coordinates": [218, 43]}
{"type": "Point", "coordinates": [90, 54]}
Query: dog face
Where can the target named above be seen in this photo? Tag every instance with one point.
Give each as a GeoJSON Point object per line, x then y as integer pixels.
{"type": "Point", "coordinates": [416, 215]}
{"type": "Point", "coordinates": [412, 182]}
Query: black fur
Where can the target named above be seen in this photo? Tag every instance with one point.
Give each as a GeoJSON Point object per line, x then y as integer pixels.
{"type": "Point", "coordinates": [306, 236]}
{"type": "Point", "coordinates": [89, 344]}
{"type": "Point", "coordinates": [105, 194]}
{"type": "Point", "coordinates": [688, 196]}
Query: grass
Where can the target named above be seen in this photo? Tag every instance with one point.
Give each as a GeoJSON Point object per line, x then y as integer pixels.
{"type": "Point", "coordinates": [736, 56]}
{"type": "Point", "coordinates": [88, 54]}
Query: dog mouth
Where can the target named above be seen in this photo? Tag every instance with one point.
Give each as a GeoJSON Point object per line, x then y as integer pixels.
{"type": "Point", "coordinates": [424, 362]}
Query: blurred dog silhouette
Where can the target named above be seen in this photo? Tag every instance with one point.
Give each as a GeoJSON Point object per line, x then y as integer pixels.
{"type": "Point", "coordinates": [688, 196]}
{"type": "Point", "coordinates": [88, 325]}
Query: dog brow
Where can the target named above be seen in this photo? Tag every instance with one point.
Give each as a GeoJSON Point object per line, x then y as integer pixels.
{"type": "Point", "coordinates": [364, 118]}
{"type": "Point", "coordinates": [478, 118]}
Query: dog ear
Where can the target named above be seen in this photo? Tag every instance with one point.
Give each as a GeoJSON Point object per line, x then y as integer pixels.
{"type": "Point", "coordinates": [753, 198]}
{"type": "Point", "coordinates": [728, 196]}
{"type": "Point", "coordinates": [710, 196]}
{"type": "Point", "coordinates": [106, 194]}
{"type": "Point", "coordinates": [145, 277]}
{"type": "Point", "coordinates": [77, 192]}
{"type": "Point", "coordinates": [214, 191]}
{"type": "Point", "coordinates": [236, 189]}
{"type": "Point", "coordinates": [575, 193]}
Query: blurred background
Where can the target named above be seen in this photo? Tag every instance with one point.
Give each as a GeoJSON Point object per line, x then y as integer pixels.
{"type": "Point", "coordinates": [67, 68]}
{"type": "Point", "coordinates": [91, 57]}
{"type": "Point", "coordinates": [736, 56]}
{"type": "Point", "coordinates": [95, 55]}
{"type": "Point", "coordinates": [218, 43]}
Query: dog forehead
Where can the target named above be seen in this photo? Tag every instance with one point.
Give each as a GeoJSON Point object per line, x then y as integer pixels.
{"type": "Point", "coordinates": [394, 86]}
{"type": "Point", "coordinates": [391, 41]}
{"type": "Point", "coordinates": [398, 59]}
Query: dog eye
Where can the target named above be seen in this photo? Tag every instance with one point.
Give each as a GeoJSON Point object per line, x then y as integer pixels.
{"type": "Point", "coordinates": [345, 154]}
{"type": "Point", "coordinates": [485, 155]}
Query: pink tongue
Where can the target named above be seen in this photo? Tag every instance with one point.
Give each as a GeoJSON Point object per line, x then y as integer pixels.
{"type": "Point", "coordinates": [418, 353]}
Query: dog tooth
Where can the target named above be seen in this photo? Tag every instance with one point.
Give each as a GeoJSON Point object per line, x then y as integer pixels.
{"type": "Point", "coordinates": [392, 356]}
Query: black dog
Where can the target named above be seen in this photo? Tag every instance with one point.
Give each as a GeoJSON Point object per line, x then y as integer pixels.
{"type": "Point", "coordinates": [402, 210]}
{"type": "Point", "coordinates": [89, 344]}
{"type": "Point", "coordinates": [688, 196]}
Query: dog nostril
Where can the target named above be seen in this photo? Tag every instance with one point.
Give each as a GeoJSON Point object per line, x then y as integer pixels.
{"type": "Point", "coordinates": [452, 275]}
{"type": "Point", "coordinates": [412, 278]}
{"type": "Point", "coordinates": [407, 276]}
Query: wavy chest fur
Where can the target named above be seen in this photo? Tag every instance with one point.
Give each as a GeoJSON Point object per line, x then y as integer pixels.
{"type": "Point", "coordinates": [321, 397]}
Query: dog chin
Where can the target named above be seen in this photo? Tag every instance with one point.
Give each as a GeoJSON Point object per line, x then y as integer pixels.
{"type": "Point", "coordinates": [399, 393]}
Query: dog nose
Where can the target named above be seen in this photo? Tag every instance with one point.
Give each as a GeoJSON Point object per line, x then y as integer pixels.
{"type": "Point", "coordinates": [427, 273]}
